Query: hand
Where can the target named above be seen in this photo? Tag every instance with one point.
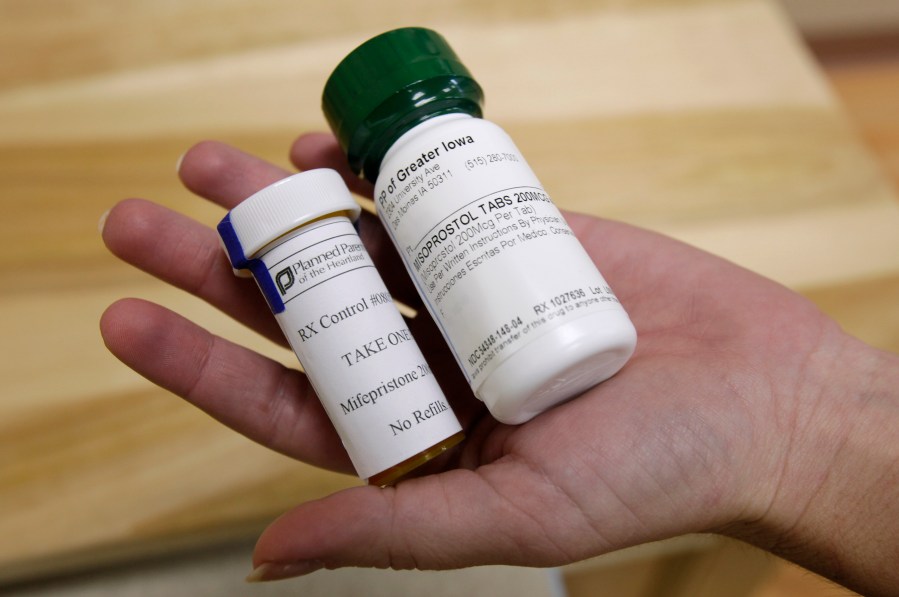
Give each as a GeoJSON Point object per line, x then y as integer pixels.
{"type": "Point", "coordinates": [731, 416]}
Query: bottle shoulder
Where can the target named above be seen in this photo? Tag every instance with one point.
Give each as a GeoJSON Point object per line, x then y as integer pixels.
{"type": "Point", "coordinates": [423, 136]}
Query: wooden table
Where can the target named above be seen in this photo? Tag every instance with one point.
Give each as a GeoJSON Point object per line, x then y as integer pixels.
{"type": "Point", "coordinates": [703, 119]}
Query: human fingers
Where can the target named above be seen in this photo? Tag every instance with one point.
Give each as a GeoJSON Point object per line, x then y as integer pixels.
{"type": "Point", "coordinates": [187, 255]}
{"type": "Point", "coordinates": [451, 520]}
{"type": "Point", "coordinates": [590, 476]}
{"type": "Point", "coordinates": [260, 398]}
{"type": "Point", "coordinates": [519, 509]}
{"type": "Point", "coordinates": [663, 283]}
{"type": "Point", "coordinates": [321, 150]}
{"type": "Point", "coordinates": [224, 174]}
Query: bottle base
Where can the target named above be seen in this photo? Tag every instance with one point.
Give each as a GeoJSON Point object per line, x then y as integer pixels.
{"type": "Point", "coordinates": [558, 366]}
{"type": "Point", "coordinates": [390, 476]}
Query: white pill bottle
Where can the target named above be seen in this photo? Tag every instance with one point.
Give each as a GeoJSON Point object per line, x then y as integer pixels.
{"type": "Point", "coordinates": [296, 238]}
{"type": "Point", "coordinates": [524, 309]}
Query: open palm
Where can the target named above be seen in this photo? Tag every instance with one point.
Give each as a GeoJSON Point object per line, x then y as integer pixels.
{"type": "Point", "coordinates": [695, 434]}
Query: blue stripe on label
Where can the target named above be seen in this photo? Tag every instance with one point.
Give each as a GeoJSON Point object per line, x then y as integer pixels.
{"type": "Point", "coordinates": [240, 261]}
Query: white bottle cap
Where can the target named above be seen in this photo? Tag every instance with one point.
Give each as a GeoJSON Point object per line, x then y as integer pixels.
{"type": "Point", "coordinates": [280, 207]}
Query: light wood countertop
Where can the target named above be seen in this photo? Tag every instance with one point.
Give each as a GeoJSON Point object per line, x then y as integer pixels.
{"type": "Point", "coordinates": [703, 119]}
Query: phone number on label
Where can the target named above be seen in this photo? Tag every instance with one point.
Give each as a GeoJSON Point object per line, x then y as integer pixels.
{"type": "Point", "coordinates": [490, 158]}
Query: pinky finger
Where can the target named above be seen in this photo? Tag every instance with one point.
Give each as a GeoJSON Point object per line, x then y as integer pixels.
{"type": "Point", "coordinates": [252, 394]}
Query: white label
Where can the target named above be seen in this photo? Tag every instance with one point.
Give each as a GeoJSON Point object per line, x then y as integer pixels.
{"type": "Point", "coordinates": [356, 348]}
{"type": "Point", "coordinates": [492, 256]}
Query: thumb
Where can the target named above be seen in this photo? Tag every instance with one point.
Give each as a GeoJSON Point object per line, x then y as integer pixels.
{"type": "Point", "coordinates": [451, 520]}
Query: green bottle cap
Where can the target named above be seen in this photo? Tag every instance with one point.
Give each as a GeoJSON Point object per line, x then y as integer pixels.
{"type": "Point", "coordinates": [390, 84]}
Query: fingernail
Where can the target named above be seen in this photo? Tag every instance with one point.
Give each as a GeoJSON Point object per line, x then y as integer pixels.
{"type": "Point", "coordinates": [281, 570]}
{"type": "Point", "coordinates": [178, 163]}
{"type": "Point", "coordinates": [102, 223]}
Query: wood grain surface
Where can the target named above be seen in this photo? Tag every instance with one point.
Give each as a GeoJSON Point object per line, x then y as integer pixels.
{"type": "Point", "coordinates": [703, 119]}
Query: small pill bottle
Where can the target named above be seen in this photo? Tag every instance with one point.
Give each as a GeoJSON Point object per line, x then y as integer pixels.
{"type": "Point", "coordinates": [527, 314]}
{"type": "Point", "coordinates": [297, 239]}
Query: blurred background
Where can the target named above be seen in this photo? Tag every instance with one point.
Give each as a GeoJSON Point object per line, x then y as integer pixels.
{"type": "Point", "coordinates": [765, 132]}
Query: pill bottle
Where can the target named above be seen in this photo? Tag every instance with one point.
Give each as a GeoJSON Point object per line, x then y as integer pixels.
{"type": "Point", "coordinates": [297, 239]}
{"type": "Point", "coordinates": [527, 314]}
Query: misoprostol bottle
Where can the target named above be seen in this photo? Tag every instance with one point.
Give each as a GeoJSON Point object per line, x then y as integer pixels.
{"type": "Point", "coordinates": [528, 316]}
{"type": "Point", "coordinates": [297, 240]}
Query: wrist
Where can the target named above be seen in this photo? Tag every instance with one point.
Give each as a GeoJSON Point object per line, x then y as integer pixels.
{"type": "Point", "coordinates": [835, 507]}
